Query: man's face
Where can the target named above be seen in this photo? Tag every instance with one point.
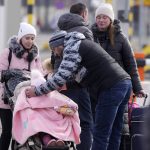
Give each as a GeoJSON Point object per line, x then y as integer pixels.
{"type": "Point", "coordinates": [58, 50]}
{"type": "Point", "coordinates": [85, 15]}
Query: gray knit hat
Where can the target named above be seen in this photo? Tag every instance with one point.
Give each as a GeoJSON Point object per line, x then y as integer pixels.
{"type": "Point", "coordinates": [57, 38]}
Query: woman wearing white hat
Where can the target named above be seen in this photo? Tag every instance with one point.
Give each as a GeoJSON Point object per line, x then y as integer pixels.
{"type": "Point", "coordinates": [107, 33]}
{"type": "Point", "coordinates": [22, 53]}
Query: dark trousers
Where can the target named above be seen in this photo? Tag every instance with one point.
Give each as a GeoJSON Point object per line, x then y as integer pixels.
{"type": "Point", "coordinates": [109, 116]}
{"type": "Point", "coordinates": [6, 121]}
{"type": "Point", "coordinates": [81, 97]}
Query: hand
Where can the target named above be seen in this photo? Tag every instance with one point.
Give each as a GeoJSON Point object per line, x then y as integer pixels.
{"type": "Point", "coordinates": [30, 92]}
{"type": "Point", "coordinates": [141, 94]}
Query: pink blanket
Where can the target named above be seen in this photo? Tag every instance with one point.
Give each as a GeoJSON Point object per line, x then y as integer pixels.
{"type": "Point", "coordinates": [33, 115]}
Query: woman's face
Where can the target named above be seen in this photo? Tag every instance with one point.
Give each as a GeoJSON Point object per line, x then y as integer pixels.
{"type": "Point", "coordinates": [27, 41]}
{"type": "Point", "coordinates": [103, 22]}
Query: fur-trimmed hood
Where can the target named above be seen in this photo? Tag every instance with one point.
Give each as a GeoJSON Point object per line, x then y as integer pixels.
{"type": "Point", "coordinates": [18, 49]}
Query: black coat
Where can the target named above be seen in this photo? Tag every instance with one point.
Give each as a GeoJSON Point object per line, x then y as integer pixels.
{"type": "Point", "coordinates": [121, 52]}
{"type": "Point", "coordinates": [71, 22]}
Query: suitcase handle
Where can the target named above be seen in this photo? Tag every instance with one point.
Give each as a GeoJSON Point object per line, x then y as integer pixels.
{"type": "Point", "coordinates": [145, 97]}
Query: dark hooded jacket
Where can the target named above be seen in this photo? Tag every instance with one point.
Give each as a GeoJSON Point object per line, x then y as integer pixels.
{"type": "Point", "coordinates": [121, 52]}
{"type": "Point", "coordinates": [71, 22]}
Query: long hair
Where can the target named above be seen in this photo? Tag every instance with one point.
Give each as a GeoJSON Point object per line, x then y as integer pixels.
{"type": "Point", "coordinates": [111, 34]}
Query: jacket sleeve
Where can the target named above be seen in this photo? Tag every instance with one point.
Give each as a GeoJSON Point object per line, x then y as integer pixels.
{"type": "Point", "coordinates": [66, 70]}
{"type": "Point", "coordinates": [89, 35]}
{"type": "Point", "coordinates": [130, 65]}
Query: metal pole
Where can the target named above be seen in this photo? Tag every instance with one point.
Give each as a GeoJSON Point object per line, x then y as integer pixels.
{"type": "Point", "coordinates": [12, 19]}
{"type": "Point", "coordinates": [122, 10]}
{"type": "Point", "coordinates": [2, 24]}
{"type": "Point", "coordinates": [30, 4]}
{"type": "Point", "coordinates": [141, 25]}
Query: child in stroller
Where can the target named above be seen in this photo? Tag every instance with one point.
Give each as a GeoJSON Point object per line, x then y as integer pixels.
{"type": "Point", "coordinates": [53, 114]}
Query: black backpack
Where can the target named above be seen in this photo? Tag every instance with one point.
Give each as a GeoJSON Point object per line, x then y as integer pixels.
{"type": "Point", "coordinates": [5, 97]}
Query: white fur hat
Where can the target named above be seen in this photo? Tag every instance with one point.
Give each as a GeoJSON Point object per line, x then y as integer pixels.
{"type": "Point", "coordinates": [105, 9]}
{"type": "Point", "coordinates": [37, 78]}
{"type": "Point", "coordinates": [25, 29]}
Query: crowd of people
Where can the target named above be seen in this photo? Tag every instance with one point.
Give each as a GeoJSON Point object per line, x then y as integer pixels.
{"type": "Point", "coordinates": [94, 66]}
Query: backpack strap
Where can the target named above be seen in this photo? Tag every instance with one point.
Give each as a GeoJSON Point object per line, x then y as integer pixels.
{"type": "Point", "coordinates": [9, 57]}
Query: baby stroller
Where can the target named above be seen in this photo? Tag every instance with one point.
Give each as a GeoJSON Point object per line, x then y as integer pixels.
{"type": "Point", "coordinates": [32, 142]}
{"type": "Point", "coordinates": [35, 144]}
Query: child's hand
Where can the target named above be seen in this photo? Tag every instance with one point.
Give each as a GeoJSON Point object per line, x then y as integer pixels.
{"type": "Point", "coordinates": [30, 92]}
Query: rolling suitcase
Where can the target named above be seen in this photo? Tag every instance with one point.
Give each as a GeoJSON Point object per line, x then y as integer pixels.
{"type": "Point", "coordinates": [137, 126]}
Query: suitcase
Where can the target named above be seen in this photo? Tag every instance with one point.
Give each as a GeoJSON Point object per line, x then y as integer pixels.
{"type": "Point", "coordinates": [137, 142]}
{"type": "Point", "coordinates": [137, 126]}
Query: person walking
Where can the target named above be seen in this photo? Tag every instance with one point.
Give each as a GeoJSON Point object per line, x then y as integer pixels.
{"type": "Point", "coordinates": [103, 73]}
{"type": "Point", "coordinates": [108, 34]}
{"type": "Point", "coordinates": [23, 54]}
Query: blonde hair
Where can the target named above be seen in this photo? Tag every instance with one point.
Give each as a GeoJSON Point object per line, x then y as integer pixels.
{"type": "Point", "coordinates": [47, 65]}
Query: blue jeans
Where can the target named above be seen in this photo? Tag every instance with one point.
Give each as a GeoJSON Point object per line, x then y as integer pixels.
{"type": "Point", "coordinates": [109, 116]}
{"type": "Point", "coordinates": [81, 97]}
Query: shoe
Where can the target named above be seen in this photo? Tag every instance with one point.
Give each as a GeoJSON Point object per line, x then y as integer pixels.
{"type": "Point", "coordinates": [52, 143]}
{"type": "Point", "coordinates": [60, 143]}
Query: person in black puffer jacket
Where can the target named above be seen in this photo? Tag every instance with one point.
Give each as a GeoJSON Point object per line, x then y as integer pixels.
{"type": "Point", "coordinates": [107, 33]}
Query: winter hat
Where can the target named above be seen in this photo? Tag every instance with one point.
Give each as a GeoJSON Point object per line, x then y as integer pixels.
{"type": "Point", "coordinates": [37, 78]}
{"type": "Point", "coordinates": [105, 9]}
{"type": "Point", "coordinates": [57, 38]}
{"type": "Point", "coordinates": [25, 29]}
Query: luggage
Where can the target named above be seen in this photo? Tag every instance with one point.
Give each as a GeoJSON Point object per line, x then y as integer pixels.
{"type": "Point", "coordinates": [137, 142]}
{"type": "Point", "coordinates": [125, 142]}
{"type": "Point", "coordinates": [137, 127]}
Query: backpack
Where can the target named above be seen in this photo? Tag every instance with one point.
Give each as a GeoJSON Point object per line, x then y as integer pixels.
{"type": "Point", "coordinates": [9, 57]}
{"type": "Point", "coordinates": [5, 97]}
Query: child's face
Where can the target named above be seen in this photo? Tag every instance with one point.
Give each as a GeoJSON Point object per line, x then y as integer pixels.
{"type": "Point", "coordinates": [58, 50]}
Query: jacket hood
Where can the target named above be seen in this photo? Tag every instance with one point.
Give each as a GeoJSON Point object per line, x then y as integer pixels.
{"type": "Point", "coordinates": [19, 51]}
{"type": "Point", "coordinates": [70, 20]}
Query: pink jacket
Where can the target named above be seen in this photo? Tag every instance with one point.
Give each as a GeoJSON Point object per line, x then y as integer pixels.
{"type": "Point", "coordinates": [15, 63]}
{"type": "Point", "coordinates": [37, 114]}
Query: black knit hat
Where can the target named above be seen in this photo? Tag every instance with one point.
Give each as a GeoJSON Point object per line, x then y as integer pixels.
{"type": "Point", "coordinates": [57, 38]}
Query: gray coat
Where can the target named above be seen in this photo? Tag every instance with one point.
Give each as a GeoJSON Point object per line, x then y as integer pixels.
{"type": "Point", "coordinates": [73, 22]}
